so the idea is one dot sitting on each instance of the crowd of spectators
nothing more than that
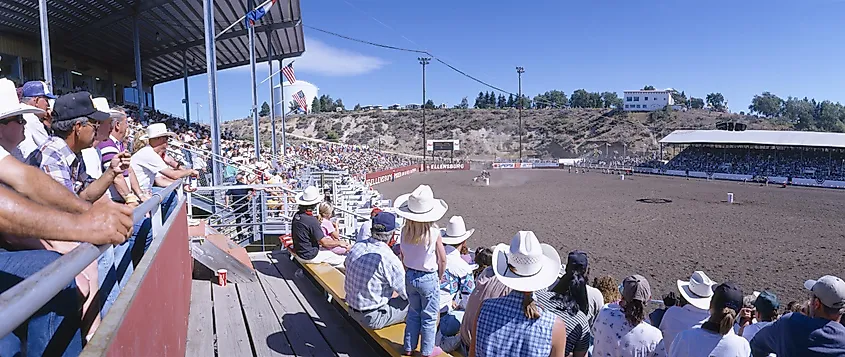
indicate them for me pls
(783, 162)
(69, 176)
(522, 299)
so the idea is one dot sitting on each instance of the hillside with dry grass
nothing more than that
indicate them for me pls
(485, 134)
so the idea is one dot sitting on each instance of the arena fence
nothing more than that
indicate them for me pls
(807, 182)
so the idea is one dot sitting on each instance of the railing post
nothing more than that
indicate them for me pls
(156, 216)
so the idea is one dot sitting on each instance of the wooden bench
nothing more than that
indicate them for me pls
(331, 280)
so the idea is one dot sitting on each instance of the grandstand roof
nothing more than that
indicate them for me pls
(756, 137)
(101, 32)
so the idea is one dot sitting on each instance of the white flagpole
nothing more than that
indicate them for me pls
(240, 20)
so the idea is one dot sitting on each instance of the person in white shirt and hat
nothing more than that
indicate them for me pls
(36, 94)
(696, 294)
(148, 163)
(310, 244)
(514, 325)
(424, 257)
(457, 283)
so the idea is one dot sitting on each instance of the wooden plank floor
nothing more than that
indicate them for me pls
(278, 315)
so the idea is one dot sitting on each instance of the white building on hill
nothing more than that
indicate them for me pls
(311, 91)
(647, 100)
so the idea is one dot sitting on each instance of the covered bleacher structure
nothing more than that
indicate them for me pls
(794, 157)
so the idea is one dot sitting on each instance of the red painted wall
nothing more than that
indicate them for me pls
(447, 166)
(375, 178)
(156, 323)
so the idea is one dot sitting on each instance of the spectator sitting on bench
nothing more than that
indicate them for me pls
(373, 275)
(457, 283)
(310, 245)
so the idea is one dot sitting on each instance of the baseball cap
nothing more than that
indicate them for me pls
(384, 222)
(636, 287)
(766, 301)
(75, 105)
(36, 89)
(829, 289)
(728, 295)
(577, 260)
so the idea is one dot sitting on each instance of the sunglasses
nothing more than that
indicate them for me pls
(15, 119)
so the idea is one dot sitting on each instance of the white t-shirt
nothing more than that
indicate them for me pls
(751, 330)
(93, 162)
(642, 340)
(677, 319)
(421, 256)
(34, 135)
(698, 342)
(147, 164)
(364, 231)
(596, 300)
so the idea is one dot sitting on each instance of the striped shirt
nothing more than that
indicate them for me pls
(503, 329)
(577, 325)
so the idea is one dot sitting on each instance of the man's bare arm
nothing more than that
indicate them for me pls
(34, 184)
(98, 188)
(177, 174)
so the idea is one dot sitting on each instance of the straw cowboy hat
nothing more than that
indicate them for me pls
(698, 290)
(9, 104)
(526, 264)
(102, 105)
(309, 196)
(456, 231)
(420, 205)
(157, 130)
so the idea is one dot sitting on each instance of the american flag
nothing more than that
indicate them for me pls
(299, 97)
(259, 12)
(288, 72)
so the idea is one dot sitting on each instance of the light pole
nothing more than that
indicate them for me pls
(423, 61)
(519, 72)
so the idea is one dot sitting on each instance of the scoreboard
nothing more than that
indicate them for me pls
(442, 145)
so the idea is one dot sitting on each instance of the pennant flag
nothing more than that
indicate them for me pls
(255, 15)
(299, 97)
(288, 72)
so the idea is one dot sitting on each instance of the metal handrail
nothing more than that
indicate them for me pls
(21, 301)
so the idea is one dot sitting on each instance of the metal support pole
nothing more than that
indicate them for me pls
(272, 97)
(185, 84)
(152, 97)
(211, 72)
(138, 83)
(45, 44)
(283, 107)
(424, 61)
(254, 111)
(519, 72)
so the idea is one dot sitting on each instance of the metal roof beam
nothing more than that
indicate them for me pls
(225, 36)
(142, 7)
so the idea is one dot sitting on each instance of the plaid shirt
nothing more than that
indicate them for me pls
(503, 329)
(55, 158)
(373, 273)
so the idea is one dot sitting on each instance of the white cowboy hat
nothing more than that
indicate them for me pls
(9, 103)
(526, 264)
(420, 205)
(456, 231)
(309, 196)
(157, 130)
(698, 290)
(102, 105)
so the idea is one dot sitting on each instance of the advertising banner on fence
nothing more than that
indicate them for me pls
(448, 166)
(375, 178)
(546, 165)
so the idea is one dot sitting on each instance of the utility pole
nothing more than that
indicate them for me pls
(519, 72)
(424, 61)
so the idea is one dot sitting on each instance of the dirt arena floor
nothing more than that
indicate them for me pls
(770, 238)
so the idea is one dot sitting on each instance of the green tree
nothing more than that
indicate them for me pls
(526, 102)
(502, 103)
(767, 104)
(801, 112)
(716, 101)
(339, 104)
(580, 99)
(332, 136)
(265, 110)
(429, 104)
(595, 100)
(480, 101)
(510, 101)
(491, 100)
(464, 103)
(611, 100)
(293, 105)
(357, 107)
(648, 88)
(696, 103)
(316, 106)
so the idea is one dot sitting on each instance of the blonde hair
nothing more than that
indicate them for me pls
(608, 287)
(138, 144)
(325, 211)
(417, 232)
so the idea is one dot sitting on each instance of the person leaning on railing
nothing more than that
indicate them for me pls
(34, 206)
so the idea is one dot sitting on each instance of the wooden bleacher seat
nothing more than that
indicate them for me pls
(331, 280)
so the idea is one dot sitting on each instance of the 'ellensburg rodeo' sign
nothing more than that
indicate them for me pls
(375, 178)
(448, 166)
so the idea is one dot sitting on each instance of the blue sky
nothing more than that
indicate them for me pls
(738, 48)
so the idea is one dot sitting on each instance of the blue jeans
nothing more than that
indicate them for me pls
(54, 329)
(168, 204)
(450, 323)
(189, 162)
(105, 276)
(423, 307)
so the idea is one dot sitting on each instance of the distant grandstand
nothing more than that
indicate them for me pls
(796, 157)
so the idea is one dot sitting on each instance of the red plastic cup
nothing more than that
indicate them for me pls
(221, 277)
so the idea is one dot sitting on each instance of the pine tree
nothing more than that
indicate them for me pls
(502, 102)
(315, 105)
(511, 103)
(479, 101)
